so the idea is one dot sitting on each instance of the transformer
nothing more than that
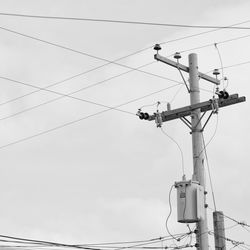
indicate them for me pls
(190, 201)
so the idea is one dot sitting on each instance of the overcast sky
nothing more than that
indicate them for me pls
(107, 177)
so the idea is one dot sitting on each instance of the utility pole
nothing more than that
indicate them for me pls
(197, 144)
(195, 207)
(219, 230)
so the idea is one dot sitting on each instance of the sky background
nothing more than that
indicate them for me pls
(107, 177)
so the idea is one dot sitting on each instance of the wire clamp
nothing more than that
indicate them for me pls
(158, 119)
(215, 105)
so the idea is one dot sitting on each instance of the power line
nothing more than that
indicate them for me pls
(64, 95)
(92, 85)
(179, 147)
(234, 242)
(95, 68)
(122, 21)
(81, 119)
(70, 94)
(212, 44)
(201, 33)
(127, 242)
(40, 243)
(209, 173)
(76, 51)
(238, 222)
(231, 66)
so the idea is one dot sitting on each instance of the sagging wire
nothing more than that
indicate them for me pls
(209, 172)
(212, 137)
(170, 212)
(100, 246)
(150, 105)
(177, 144)
(178, 239)
(177, 92)
(222, 68)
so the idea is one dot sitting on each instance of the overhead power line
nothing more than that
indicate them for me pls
(137, 69)
(63, 95)
(100, 82)
(122, 21)
(71, 49)
(69, 95)
(98, 246)
(87, 54)
(83, 118)
(220, 42)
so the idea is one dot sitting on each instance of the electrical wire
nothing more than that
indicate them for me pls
(234, 242)
(209, 172)
(202, 33)
(149, 105)
(107, 60)
(77, 51)
(238, 222)
(231, 66)
(139, 244)
(170, 212)
(80, 74)
(62, 95)
(177, 144)
(236, 65)
(221, 63)
(212, 44)
(83, 118)
(121, 21)
(210, 140)
(70, 78)
(67, 95)
(176, 94)
(124, 242)
(39, 243)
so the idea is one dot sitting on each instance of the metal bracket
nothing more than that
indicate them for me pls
(183, 77)
(185, 68)
(186, 122)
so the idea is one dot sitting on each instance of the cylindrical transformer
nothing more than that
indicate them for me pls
(190, 201)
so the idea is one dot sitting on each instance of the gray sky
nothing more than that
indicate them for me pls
(107, 178)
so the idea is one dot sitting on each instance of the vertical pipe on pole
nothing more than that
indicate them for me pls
(197, 144)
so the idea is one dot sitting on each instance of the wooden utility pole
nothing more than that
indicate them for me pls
(197, 111)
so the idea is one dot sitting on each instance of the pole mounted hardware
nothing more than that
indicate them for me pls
(203, 106)
(157, 47)
(141, 115)
(185, 68)
(195, 112)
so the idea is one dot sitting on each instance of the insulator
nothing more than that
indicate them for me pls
(168, 106)
(221, 94)
(177, 55)
(226, 95)
(157, 47)
(143, 116)
(146, 116)
(216, 72)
